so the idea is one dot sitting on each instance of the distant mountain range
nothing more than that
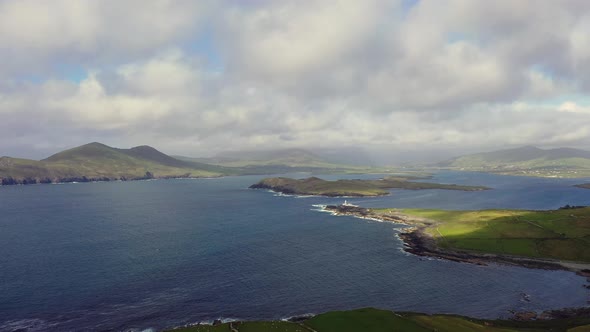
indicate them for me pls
(99, 162)
(282, 157)
(528, 160)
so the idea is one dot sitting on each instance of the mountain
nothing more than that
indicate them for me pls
(273, 161)
(528, 160)
(100, 162)
(285, 157)
(518, 155)
(96, 161)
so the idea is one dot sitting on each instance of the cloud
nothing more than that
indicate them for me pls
(572, 107)
(200, 77)
(36, 36)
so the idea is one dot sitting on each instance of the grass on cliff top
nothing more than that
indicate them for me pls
(375, 320)
(556, 234)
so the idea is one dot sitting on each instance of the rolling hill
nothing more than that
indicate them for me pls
(99, 162)
(528, 160)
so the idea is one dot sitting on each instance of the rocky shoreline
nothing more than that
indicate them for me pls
(418, 242)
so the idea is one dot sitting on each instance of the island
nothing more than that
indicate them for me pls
(315, 186)
(583, 185)
(376, 320)
(552, 239)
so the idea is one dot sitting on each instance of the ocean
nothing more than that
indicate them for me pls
(149, 255)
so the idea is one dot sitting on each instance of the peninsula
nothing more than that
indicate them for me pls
(314, 186)
(99, 162)
(553, 239)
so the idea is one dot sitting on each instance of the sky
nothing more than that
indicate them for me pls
(397, 77)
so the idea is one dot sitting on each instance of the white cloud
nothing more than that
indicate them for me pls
(444, 74)
(572, 107)
(35, 35)
(291, 38)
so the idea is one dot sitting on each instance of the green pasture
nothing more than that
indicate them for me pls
(375, 320)
(556, 234)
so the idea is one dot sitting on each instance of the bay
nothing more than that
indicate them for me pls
(157, 254)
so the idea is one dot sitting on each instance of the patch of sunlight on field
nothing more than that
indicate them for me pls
(559, 234)
(454, 324)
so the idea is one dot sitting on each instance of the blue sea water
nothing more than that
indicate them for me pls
(156, 254)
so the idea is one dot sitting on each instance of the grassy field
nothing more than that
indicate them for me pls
(317, 186)
(558, 234)
(375, 320)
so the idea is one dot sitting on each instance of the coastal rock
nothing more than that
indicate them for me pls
(525, 316)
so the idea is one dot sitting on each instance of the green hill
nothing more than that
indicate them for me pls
(526, 160)
(96, 161)
(99, 162)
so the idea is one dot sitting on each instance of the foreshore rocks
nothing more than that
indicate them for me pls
(567, 313)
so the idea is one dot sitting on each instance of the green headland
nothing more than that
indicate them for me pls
(357, 188)
(554, 239)
(375, 320)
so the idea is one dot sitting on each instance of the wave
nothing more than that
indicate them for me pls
(319, 208)
(224, 320)
(211, 322)
(31, 324)
(298, 317)
(280, 194)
